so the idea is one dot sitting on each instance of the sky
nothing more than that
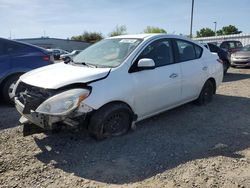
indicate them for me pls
(66, 18)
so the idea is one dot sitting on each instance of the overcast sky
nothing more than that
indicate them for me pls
(65, 18)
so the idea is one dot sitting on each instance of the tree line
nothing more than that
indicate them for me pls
(93, 37)
(226, 30)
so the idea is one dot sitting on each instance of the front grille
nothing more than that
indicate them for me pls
(31, 97)
(241, 57)
(240, 63)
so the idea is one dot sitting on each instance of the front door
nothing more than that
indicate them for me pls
(159, 88)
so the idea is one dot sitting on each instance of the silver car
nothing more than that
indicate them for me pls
(242, 57)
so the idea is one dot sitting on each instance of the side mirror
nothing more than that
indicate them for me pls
(146, 63)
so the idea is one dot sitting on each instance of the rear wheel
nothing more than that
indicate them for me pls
(110, 120)
(8, 87)
(206, 94)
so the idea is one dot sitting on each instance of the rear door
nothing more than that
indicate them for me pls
(24, 57)
(193, 70)
(159, 88)
(4, 60)
(17, 55)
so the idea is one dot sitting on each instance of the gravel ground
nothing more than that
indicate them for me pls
(189, 146)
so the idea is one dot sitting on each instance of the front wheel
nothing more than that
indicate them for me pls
(110, 120)
(206, 94)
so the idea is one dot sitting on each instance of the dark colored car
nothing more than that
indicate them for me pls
(223, 55)
(17, 58)
(69, 56)
(231, 46)
(57, 53)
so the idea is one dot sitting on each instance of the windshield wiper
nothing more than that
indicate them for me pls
(88, 64)
(84, 63)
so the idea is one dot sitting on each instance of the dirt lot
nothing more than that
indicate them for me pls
(190, 146)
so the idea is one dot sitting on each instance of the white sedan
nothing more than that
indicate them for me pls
(117, 82)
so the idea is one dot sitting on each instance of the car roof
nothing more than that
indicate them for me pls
(147, 36)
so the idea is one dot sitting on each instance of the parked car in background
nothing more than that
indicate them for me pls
(242, 57)
(231, 46)
(117, 82)
(69, 56)
(57, 52)
(223, 55)
(17, 58)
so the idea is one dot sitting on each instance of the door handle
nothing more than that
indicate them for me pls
(174, 75)
(204, 68)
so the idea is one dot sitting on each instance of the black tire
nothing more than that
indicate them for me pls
(110, 120)
(7, 89)
(67, 59)
(206, 94)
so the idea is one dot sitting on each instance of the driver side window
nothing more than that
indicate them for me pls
(160, 51)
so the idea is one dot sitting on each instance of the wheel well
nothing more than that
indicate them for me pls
(10, 76)
(214, 83)
(124, 103)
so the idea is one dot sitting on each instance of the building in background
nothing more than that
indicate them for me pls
(65, 44)
(243, 38)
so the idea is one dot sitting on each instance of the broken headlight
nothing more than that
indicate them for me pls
(63, 103)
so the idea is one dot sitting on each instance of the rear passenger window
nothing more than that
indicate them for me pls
(198, 51)
(231, 45)
(238, 44)
(160, 51)
(188, 51)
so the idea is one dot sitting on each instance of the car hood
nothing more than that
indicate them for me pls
(242, 54)
(60, 74)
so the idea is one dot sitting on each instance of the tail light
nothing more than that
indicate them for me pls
(49, 58)
(46, 58)
(220, 61)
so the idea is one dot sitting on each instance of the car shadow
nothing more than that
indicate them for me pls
(8, 116)
(230, 77)
(160, 143)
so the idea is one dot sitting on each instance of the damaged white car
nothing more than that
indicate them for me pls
(116, 82)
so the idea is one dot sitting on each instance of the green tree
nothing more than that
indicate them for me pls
(119, 30)
(228, 30)
(150, 29)
(91, 37)
(205, 32)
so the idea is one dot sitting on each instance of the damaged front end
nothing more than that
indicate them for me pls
(50, 109)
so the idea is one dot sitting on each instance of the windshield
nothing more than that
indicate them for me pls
(246, 48)
(108, 52)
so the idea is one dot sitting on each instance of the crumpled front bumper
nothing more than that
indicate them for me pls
(48, 122)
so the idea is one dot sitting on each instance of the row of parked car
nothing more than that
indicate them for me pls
(113, 83)
(63, 54)
(232, 53)
(17, 58)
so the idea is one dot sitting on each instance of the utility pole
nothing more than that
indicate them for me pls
(10, 35)
(192, 15)
(215, 27)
